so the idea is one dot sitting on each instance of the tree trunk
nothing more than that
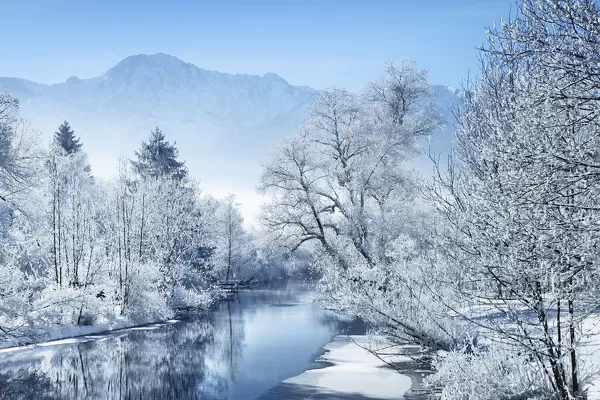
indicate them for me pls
(54, 233)
(574, 374)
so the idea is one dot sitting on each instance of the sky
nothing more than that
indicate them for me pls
(319, 43)
(315, 43)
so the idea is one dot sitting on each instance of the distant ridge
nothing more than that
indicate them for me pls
(225, 125)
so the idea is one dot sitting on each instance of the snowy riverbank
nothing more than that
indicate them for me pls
(50, 334)
(351, 373)
(74, 334)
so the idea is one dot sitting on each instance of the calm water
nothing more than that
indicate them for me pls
(238, 351)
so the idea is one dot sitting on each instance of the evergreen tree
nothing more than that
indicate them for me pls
(158, 157)
(65, 138)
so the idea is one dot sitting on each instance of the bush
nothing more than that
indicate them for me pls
(492, 373)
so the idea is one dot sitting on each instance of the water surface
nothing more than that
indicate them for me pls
(238, 351)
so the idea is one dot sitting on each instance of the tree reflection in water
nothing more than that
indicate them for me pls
(198, 358)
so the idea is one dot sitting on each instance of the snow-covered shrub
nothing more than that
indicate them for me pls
(193, 298)
(15, 292)
(145, 300)
(70, 306)
(403, 297)
(493, 373)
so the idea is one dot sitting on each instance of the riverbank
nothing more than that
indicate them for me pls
(238, 350)
(79, 334)
(352, 372)
(32, 335)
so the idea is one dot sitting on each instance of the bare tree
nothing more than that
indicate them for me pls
(235, 239)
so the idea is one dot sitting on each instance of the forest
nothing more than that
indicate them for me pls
(77, 251)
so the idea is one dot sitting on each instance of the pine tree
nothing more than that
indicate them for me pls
(65, 138)
(158, 157)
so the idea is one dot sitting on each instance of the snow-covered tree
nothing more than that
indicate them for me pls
(163, 237)
(65, 138)
(158, 157)
(234, 241)
(520, 201)
(18, 151)
(339, 184)
(71, 212)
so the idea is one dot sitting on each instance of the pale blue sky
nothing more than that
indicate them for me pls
(316, 43)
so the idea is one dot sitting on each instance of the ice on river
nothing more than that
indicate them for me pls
(353, 373)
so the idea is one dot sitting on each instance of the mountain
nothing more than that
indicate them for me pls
(225, 125)
(143, 84)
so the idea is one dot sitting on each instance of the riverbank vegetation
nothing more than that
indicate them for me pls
(492, 265)
(80, 251)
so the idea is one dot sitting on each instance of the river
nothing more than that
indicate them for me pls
(237, 351)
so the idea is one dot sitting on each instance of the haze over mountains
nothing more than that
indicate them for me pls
(225, 125)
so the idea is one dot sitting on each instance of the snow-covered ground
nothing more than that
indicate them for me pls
(590, 355)
(353, 373)
(74, 334)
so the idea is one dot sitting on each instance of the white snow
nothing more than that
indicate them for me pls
(590, 356)
(355, 370)
(68, 334)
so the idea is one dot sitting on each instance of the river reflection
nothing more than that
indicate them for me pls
(238, 351)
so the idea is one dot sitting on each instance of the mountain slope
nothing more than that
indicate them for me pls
(225, 125)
